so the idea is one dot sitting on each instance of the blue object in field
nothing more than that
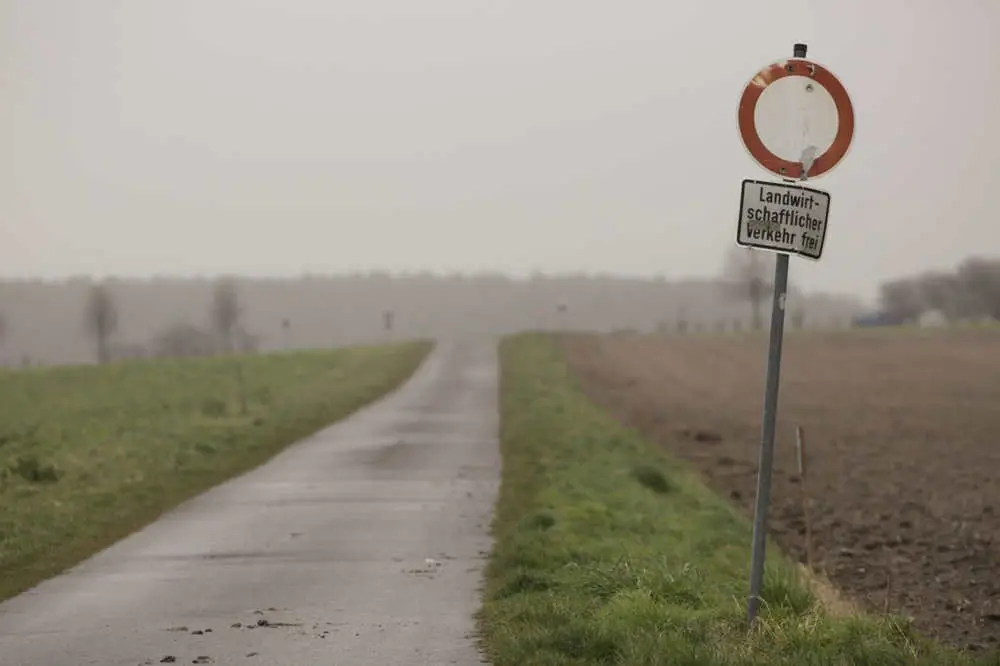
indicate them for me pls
(876, 319)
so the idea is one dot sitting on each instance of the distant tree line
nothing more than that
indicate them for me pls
(970, 291)
(198, 316)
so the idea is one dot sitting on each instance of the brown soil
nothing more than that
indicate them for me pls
(903, 457)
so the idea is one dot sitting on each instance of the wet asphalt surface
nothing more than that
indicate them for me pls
(361, 545)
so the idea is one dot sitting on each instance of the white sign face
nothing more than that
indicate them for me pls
(795, 116)
(783, 218)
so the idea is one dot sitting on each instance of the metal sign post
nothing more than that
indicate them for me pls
(800, 128)
(766, 458)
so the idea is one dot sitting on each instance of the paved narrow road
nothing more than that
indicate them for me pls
(360, 546)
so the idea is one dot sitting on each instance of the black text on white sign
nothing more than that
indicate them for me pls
(783, 218)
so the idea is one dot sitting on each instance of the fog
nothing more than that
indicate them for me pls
(272, 139)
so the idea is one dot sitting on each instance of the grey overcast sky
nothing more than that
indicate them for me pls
(283, 136)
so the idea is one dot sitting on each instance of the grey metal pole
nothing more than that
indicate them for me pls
(765, 462)
(766, 459)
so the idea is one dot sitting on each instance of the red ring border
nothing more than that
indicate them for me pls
(748, 128)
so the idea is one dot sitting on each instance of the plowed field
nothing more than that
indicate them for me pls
(903, 451)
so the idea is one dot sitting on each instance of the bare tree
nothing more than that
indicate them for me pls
(226, 312)
(101, 319)
(562, 316)
(980, 286)
(681, 322)
(902, 299)
(286, 330)
(747, 278)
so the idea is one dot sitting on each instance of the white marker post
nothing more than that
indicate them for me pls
(796, 120)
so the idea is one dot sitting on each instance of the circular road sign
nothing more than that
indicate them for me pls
(796, 119)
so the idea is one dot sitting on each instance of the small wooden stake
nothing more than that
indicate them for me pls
(800, 450)
(888, 588)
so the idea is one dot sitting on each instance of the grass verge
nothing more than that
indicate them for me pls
(609, 552)
(90, 454)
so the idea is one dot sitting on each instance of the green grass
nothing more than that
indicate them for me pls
(90, 454)
(609, 552)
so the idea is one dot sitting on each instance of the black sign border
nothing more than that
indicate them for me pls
(791, 186)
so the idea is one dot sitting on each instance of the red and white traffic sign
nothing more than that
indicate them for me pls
(796, 119)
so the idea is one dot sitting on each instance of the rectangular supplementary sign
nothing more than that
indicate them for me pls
(783, 218)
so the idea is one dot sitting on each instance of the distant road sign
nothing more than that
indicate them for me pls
(796, 119)
(783, 218)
